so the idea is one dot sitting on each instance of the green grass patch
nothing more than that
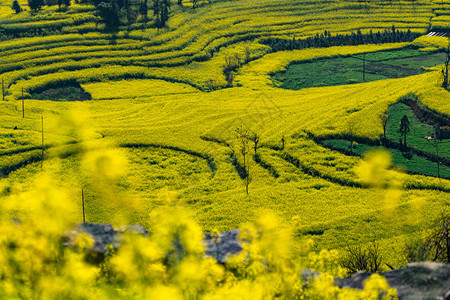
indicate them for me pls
(400, 159)
(349, 70)
(66, 93)
(415, 138)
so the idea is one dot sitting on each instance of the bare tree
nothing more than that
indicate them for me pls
(435, 246)
(445, 68)
(232, 63)
(255, 139)
(439, 240)
(248, 54)
(242, 136)
(357, 258)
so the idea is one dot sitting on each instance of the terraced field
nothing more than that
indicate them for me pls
(161, 125)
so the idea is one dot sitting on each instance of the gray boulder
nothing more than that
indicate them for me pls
(138, 229)
(420, 280)
(102, 234)
(105, 234)
(227, 244)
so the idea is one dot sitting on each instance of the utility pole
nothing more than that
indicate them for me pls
(3, 89)
(23, 108)
(82, 201)
(248, 176)
(242, 136)
(42, 124)
(436, 144)
(364, 67)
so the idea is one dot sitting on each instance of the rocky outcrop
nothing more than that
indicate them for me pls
(420, 280)
(424, 280)
(104, 234)
(224, 245)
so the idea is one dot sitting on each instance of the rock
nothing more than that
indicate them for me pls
(138, 229)
(105, 234)
(420, 280)
(102, 234)
(424, 280)
(308, 275)
(227, 244)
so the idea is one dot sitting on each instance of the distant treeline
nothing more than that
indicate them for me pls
(326, 39)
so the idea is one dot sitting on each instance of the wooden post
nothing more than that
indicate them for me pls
(82, 201)
(248, 176)
(42, 160)
(3, 89)
(364, 67)
(23, 108)
(437, 154)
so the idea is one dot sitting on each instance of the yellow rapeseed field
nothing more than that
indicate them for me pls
(157, 146)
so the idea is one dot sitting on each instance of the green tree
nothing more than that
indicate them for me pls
(143, 10)
(404, 128)
(35, 4)
(109, 12)
(66, 3)
(161, 12)
(384, 117)
(16, 7)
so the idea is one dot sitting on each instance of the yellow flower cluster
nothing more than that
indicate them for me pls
(170, 263)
